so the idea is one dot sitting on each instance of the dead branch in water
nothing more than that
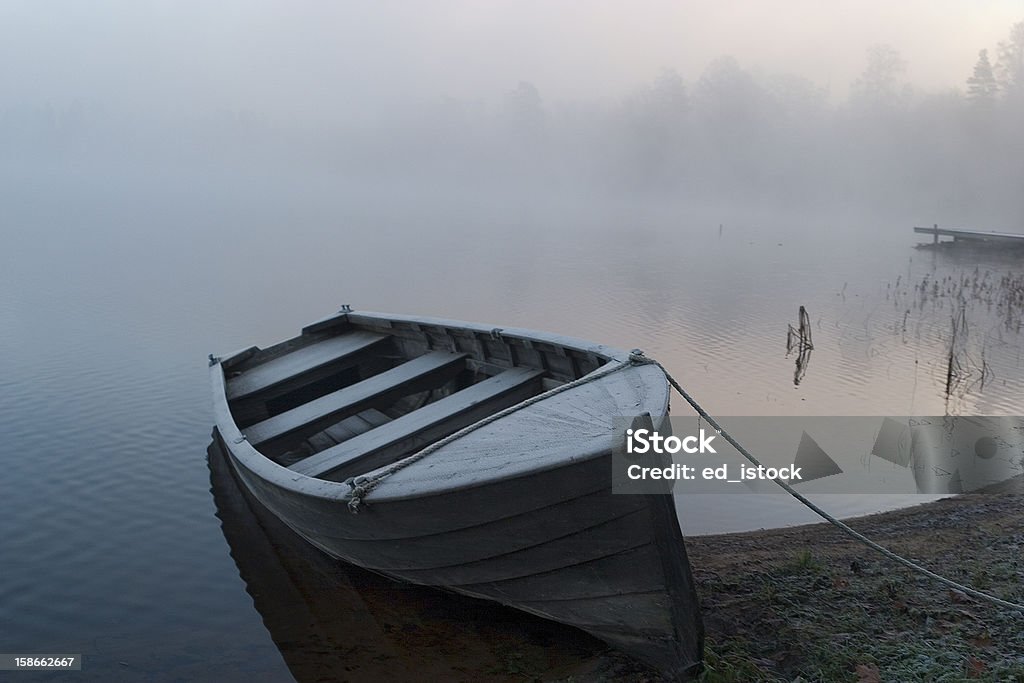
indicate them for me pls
(799, 339)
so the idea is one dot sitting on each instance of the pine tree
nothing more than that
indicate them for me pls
(982, 86)
(1010, 62)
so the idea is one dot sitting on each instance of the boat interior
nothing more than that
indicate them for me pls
(347, 397)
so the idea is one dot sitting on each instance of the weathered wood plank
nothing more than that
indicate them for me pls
(315, 383)
(433, 421)
(406, 377)
(346, 429)
(965, 233)
(356, 425)
(302, 360)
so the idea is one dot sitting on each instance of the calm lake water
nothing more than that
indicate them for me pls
(115, 285)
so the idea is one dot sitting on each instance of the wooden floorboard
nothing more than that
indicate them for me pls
(356, 425)
(443, 413)
(297, 362)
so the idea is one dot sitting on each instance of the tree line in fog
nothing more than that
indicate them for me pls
(732, 133)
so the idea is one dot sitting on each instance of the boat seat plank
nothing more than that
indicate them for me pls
(431, 422)
(299, 361)
(355, 397)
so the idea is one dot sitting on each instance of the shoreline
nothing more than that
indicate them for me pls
(810, 603)
(803, 603)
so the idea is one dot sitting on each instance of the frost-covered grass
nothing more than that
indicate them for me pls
(809, 604)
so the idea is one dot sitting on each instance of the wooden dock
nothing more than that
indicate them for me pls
(964, 234)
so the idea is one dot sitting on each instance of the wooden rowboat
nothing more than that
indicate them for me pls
(519, 510)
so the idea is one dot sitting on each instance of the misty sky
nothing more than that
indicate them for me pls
(313, 60)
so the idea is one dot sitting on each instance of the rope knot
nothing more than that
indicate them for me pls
(359, 491)
(637, 357)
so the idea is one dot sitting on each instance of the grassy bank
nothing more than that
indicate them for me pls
(810, 604)
(813, 604)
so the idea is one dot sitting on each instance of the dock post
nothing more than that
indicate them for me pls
(936, 236)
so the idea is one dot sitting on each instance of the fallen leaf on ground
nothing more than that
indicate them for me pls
(867, 673)
(975, 668)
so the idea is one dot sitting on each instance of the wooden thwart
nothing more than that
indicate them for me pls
(302, 360)
(433, 421)
(407, 377)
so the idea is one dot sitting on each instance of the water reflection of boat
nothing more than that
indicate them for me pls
(519, 511)
(333, 621)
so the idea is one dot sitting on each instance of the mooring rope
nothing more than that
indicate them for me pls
(637, 357)
(363, 485)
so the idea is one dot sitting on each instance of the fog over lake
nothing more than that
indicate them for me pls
(185, 178)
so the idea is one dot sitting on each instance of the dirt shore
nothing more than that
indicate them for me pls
(811, 604)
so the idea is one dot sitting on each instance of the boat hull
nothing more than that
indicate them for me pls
(534, 526)
(612, 565)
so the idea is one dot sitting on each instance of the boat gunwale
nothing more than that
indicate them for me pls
(610, 353)
(248, 456)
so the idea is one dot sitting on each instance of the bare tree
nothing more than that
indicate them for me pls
(882, 80)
